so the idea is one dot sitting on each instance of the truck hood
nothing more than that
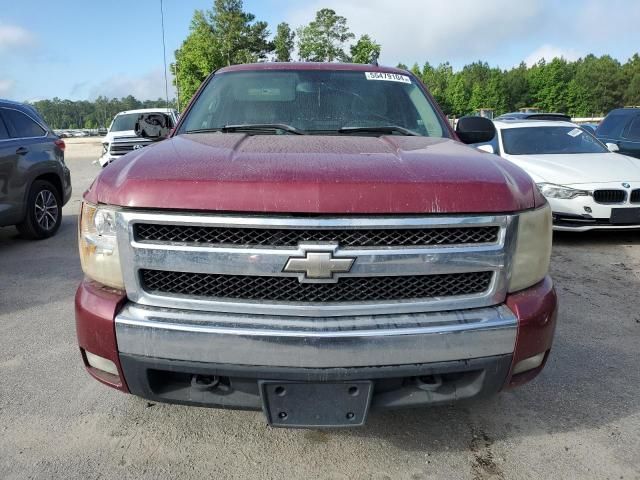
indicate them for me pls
(121, 134)
(582, 168)
(314, 174)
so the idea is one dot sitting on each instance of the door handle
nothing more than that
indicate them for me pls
(22, 151)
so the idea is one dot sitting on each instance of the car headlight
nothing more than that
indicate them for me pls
(533, 249)
(551, 190)
(105, 148)
(99, 246)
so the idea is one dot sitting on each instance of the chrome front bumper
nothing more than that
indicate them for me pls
(310, 342)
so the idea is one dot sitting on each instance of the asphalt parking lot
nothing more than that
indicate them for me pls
(579, 419)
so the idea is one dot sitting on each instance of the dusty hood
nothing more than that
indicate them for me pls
(313, 174)
(580, 168)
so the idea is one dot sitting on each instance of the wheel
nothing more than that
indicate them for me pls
(44, 212)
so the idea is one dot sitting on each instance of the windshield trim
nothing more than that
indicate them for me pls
(447, 130)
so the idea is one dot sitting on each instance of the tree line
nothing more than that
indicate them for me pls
(226, 35)
(84, 114)
(589, 86)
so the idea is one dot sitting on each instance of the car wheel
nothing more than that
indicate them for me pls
(44, 212)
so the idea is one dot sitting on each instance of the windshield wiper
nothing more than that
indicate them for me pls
(380, 129)
(249, 127)
(262, 126)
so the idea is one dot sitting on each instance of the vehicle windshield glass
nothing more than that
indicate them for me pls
(613, 125)
(124, 122)
(549, 141)
(315, 102)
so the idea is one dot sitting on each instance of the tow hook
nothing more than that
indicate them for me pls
(430, 383)
(208, 383)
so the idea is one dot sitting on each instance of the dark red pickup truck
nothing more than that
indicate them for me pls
(315, 241)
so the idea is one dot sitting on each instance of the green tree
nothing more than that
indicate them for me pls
(516, 88)
(324, 38)
(597, 86)
(226, 35)
(458, 96)
(549, 84)
(283, 42)
(437, 81)
(365, 50)
(632, 93)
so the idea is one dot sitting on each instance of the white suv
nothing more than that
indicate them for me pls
(121, 137)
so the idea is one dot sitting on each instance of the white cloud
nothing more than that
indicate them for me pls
(549, 52)
(14, 37)
(6, 86)
(148, 86)
(432, 29)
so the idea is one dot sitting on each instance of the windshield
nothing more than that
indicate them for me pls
(549, 141)
(124, 122)
(315, 102)
(127, 121)
(613, 124)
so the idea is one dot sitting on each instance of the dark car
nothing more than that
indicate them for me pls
(34, 181)
(622, 128)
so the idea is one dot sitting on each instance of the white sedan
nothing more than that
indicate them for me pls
(587, 186)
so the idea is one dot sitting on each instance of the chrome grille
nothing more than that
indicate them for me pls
(124, 147)
(609, 196)
(635, 196)
(291, 238)
(229, 263)
(288, 289)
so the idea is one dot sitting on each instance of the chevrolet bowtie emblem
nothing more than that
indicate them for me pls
(319, 266)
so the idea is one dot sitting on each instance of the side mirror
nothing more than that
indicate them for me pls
(612, 147)
(155, 126)
(475, 130)
(486, 148)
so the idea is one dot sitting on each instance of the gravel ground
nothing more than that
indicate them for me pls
(579, 419)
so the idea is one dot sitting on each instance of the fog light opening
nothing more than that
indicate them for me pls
(102, 364)
(527, 364)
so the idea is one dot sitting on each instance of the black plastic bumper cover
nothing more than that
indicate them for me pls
(238, 386)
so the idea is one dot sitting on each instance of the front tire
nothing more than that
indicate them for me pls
(44, 212)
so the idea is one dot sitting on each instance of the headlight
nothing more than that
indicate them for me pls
(551, 190)
(99, 246)
(105, 148)
(533, 249)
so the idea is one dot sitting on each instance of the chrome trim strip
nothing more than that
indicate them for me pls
(378, 261)
(315, 342)
(297, 222)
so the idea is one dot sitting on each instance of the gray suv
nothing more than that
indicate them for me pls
(34, 181)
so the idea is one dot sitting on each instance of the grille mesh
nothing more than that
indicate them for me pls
(289, 237)
(635, 196)
(289, 289)
(609, 196)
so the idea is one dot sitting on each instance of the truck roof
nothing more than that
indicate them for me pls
(357, 67)
(146, 110)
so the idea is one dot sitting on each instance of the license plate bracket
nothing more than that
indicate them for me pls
(622, 216)
(316, 405)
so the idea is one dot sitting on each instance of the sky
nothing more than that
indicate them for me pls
(79, 50)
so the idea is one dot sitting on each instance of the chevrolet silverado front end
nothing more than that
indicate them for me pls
(310, 264)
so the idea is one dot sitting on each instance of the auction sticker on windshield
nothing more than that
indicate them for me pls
(388, 77)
